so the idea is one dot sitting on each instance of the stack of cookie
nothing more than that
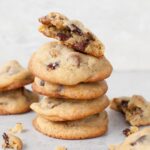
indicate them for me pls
(14, 98)
(70, 73)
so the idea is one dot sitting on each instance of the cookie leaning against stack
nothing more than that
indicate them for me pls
(70, 73)
(14, 98)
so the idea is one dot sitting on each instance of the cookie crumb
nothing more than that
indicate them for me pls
(61, 148)
(17, 129)
(130, 130)
(12, 142)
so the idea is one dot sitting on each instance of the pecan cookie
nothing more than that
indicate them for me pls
(136, 109)
(56, 63)
(137, 141)
(13, 76)
(71, 33)
(62, 109)
(16, 101)
(90, 127)
(82, 91)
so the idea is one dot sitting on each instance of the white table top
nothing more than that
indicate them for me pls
(120, 83)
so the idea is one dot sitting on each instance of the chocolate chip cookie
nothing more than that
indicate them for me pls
(137, 141)
(13, 76)
(90, 127)
(136, 109)
(82, 91)
(58, 64)
(71, 33)
(62, 109)
(16, 101)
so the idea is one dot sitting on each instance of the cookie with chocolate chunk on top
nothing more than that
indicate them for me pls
(56, 63)
(13, 76)
(137, 141)
(71, 33)
(135, 109)
(82, 91)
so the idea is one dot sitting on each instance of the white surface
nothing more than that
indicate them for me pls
(121, 83)
(123, 26)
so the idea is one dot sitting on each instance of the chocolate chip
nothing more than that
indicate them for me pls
(42, 83)
(52, 66)
(126, 132)
(124, 104)
(80, 46)
(139, 140)
(76, 30)
(45, 20)
(6, 139)
(90, 36)
(63, 36)
(60, 88)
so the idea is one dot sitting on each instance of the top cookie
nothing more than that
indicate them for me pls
(137, 141)
(56, 63)
(13, 76)
(71, 33)
(136, 109)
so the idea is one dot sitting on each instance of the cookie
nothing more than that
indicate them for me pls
(82, 91)
(13, 76)
(137, 141)
(58, 64)
(90, 127)
(16, 101)
(136, 109)
(64, 109)
(71, 33)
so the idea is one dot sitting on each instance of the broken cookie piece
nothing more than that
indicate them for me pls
(137, 141)
(71, 33)
(136, 109)
(17, 129)
(12, 142)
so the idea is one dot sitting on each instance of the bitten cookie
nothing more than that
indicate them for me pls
(56, 63)
(64, 109)
(137, 141)
(16, 101)
(82, 91)
(71, 33)
(90, 127)
(13, 76)
(136, 109)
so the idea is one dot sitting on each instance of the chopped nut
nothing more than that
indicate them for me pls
(61, 148)
(12, 142)
(130, 131)
(17, 129)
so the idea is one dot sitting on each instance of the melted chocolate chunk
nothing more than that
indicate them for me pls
(126, 132)
(124, 104)
(80, 46)
(76, 30)
(6, 139)
(139, 140)
(63, 36)
(42, 83)
(52, 66)
(90, 36)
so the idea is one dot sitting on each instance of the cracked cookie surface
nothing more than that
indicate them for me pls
(16, 101)
(62, 109)
(82, 91)
(136, 109)
(137, 141)
(90, 127)
(71, 33)
(55, 63)
(13, 76)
